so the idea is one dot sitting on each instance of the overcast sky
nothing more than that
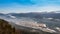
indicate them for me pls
(23, 6)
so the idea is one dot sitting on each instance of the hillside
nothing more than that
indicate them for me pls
(6, 28)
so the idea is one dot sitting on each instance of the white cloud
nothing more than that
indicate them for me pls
(30, 9)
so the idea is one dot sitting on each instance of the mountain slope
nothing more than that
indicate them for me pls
(6, 28)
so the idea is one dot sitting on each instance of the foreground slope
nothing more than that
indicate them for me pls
(6, 28)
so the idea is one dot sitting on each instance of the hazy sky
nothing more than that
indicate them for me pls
(20, 6)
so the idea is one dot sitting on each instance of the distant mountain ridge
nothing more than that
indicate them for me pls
(32, 15)
(37, 15)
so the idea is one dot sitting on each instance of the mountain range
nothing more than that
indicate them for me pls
(51, 19)
(32, 15)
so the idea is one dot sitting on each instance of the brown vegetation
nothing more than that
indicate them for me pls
(6, 28)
